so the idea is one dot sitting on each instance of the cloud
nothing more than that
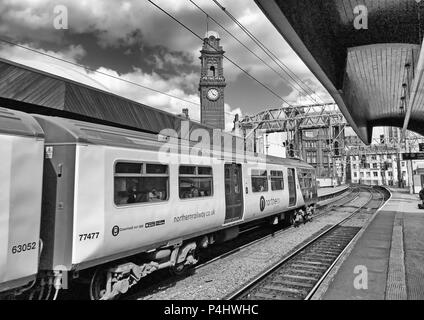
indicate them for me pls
(136, 40)
(146, 25)
(309, 91)
(101, 81)
(53, 66)
(229, 116)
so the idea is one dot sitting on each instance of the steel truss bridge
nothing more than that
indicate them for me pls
(291, 118)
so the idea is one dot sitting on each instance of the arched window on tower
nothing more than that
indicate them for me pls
(212, 71)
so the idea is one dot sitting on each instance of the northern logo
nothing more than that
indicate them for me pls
(115, 231)
(262, 203)
(267, 203)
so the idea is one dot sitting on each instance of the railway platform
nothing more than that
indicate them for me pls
(385, 261)
(327, 191)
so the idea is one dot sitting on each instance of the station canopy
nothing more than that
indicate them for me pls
(372, 67)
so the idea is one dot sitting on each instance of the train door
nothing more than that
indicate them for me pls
(292, 187)
(233, 193)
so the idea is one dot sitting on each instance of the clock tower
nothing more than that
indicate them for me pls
(212, 82)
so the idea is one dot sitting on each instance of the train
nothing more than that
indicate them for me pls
(89, 203)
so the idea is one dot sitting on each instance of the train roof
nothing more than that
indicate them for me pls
(18, 123)
(61, 130)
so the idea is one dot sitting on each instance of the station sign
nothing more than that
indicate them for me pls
(413, 156)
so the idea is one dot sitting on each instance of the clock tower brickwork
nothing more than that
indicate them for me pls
(212, 82)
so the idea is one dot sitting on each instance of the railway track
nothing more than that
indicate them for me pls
(228, 249)
(249, 237)
(299, 275)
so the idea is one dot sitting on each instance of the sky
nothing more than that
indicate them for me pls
(135, 41)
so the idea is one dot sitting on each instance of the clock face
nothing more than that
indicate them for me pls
(213, 94)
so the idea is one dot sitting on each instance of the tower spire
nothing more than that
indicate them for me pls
(212, 81)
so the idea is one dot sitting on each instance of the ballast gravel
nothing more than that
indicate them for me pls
(222, 277)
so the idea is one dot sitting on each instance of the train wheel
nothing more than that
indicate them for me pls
(179, 269)
(98, 284)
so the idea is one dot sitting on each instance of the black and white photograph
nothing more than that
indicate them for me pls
(211, 159)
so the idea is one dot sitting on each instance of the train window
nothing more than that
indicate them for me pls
(139, 182)
(188, 170)
(127, 167)
(156, 169)
(195, 182)
(259, 181)
(305, 179)
(205, 171)
(277, 181)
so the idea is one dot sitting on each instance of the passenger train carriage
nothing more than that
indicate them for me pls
(120, 204)
(21, 174)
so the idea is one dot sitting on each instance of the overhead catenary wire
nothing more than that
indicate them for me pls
(269, 53)
(251, 51)
(272, 55)
(225, 56)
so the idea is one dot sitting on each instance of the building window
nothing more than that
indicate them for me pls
(362, 174)
(375, 174)
(390, 174)
(374, 165)
(355, 174)
(354, 166)
(212, 71)
(309, 134)
(325, 157)
(368, 174)
(195, 182)
(277, 180)
(259, 181)
(311, 157)
(140, 182)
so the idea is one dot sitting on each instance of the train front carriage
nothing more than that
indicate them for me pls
(21, 165)
(108, 196)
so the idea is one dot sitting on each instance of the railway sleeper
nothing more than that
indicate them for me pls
(281, 289)
(303, 271)
(295, 284)
(298, 277)
(319, 258)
